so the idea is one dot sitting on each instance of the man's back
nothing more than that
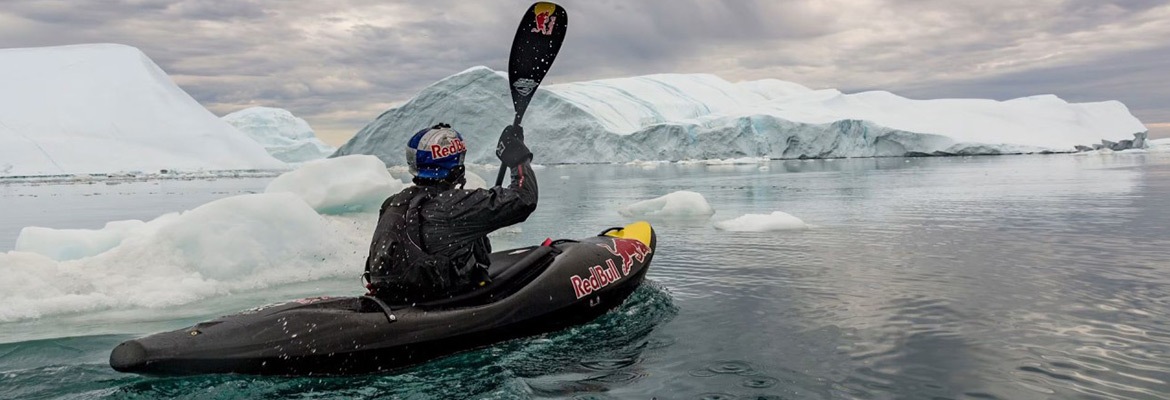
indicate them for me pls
(431, 240)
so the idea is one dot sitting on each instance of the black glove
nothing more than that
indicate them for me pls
(511, 149)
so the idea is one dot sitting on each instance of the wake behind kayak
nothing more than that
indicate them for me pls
(533, 290)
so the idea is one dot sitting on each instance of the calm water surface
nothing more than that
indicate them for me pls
(1024, 277)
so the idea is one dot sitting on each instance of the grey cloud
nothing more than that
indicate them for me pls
(1136, 78)
(338, 63)
(218, 10)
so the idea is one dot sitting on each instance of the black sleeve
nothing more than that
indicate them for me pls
(481, 211)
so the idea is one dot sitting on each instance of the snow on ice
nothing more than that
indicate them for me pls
(697, 116)
(677, 205)
(776, 221)
(286, 137)
(105, 108)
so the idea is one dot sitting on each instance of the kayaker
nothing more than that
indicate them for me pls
(431, 239)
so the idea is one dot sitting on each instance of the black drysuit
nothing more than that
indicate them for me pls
(431, 240)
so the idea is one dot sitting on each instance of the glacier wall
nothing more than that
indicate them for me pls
(699, 116)
(103, 108)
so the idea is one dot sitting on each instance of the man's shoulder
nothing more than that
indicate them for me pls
(403, 197)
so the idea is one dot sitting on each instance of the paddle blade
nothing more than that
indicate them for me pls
(537, 42)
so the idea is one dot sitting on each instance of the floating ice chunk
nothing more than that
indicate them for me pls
(647, 165)
(680, 204)
(339, 185)
(225, 246)
(737, 161)
(776, 221)
(71, 244)
(1159, 145)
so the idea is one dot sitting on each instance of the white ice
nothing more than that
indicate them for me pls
(71, 244)
(104, 108)
(698, 116)
(339, 185)
(303, 228)
(226, 246)
(680, 204)
(776, 221)
(285, 136)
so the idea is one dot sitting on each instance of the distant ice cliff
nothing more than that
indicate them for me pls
(699, 116)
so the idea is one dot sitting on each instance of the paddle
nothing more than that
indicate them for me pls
(537, 42)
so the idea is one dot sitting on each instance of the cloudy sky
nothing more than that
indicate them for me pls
(340, 63)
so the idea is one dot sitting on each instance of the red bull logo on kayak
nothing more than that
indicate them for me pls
(598, 278)
(545, 20)
(627, 250)
(455, 147)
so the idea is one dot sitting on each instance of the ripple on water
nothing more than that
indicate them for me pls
(701, 373)
(730, 367)
(761, 382)
(593, 396)
(656, 343)
(609, 364)
(622, 377)
(716, 396)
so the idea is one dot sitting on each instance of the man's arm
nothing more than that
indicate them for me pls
(481, 211)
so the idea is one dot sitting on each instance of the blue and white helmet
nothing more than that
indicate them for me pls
(434, 152)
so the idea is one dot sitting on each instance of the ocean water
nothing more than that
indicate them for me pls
(1015, 277)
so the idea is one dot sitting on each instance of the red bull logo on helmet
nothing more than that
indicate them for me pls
(627, 250)
(545, 20)
(456, 147)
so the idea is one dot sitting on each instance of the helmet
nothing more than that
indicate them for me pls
(434, 152)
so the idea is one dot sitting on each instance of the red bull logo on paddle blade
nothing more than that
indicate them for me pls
(545, 20)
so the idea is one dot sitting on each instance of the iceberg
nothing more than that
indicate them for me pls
(286, 137)
(104, 108)
(682, 204)
(700, 116)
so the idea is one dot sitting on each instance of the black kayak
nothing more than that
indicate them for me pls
(533, 290)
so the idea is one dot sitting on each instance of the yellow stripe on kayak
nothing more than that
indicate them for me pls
(640, 231)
